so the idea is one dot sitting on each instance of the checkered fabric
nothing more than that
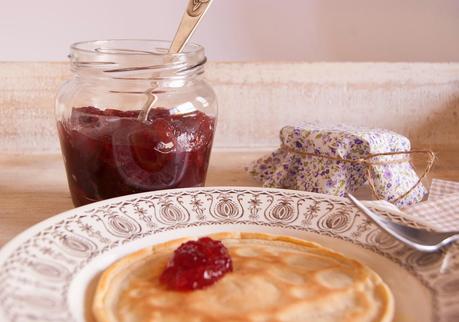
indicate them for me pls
(440, 188)
(441, 210)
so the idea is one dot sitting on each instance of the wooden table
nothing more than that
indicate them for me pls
(34, 187)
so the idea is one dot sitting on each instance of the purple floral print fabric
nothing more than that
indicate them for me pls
(288, 168)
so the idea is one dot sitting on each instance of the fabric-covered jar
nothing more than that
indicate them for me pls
(134, 118)
(339, 159)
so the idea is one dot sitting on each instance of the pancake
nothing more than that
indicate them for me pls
(274, 278)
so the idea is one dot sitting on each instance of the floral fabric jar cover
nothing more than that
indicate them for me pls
(307, 160)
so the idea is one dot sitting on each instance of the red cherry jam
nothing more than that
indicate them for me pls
(196, 265)
(110, 153)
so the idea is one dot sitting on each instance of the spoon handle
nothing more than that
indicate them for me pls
(195, 11)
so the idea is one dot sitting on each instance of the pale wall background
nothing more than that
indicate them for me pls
(269, 30)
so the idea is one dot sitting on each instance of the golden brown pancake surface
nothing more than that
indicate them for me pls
(274, 278)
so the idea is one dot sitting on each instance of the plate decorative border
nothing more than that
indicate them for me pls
(48, 256)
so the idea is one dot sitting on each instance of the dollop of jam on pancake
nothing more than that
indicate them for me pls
(196, 265)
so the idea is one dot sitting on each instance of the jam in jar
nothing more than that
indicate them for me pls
(134, 119)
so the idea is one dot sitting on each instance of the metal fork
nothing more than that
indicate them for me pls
(419, 239)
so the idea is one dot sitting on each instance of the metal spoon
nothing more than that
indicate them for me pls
(419, 239)
(195, 11)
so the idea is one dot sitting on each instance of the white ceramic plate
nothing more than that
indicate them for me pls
(48, 272)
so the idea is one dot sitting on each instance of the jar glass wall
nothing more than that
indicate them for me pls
(134, 118)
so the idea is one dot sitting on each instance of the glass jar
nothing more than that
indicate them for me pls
(134, 118)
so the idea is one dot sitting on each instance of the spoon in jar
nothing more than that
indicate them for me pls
(195, 10)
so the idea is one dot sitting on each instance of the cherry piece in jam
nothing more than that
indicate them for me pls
(110, 153)
(196, 265)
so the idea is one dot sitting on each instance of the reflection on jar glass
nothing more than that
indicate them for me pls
(134, 118)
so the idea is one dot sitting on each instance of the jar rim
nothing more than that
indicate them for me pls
(91, 46)
(136, 59)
